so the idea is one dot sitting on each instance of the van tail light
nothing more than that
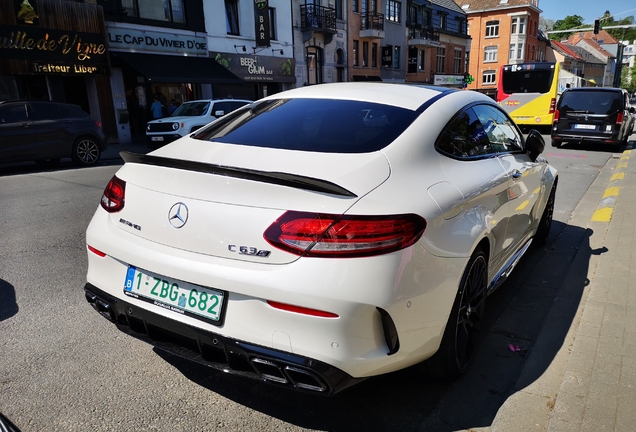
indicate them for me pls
(619, 118)
(343, 236)
(552, 105)
(114, 195)
(557, 114)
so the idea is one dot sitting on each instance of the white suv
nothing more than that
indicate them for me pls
(189, 117)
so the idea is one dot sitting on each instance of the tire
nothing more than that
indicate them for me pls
(541, 236)
(556, 144)
(86, 151)
(463, 330)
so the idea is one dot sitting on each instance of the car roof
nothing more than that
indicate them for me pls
(403, 95)
(219, 100)
(595, 89)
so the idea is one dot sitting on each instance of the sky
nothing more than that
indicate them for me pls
(588, 9)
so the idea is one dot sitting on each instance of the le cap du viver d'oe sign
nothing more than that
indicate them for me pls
(54, 51)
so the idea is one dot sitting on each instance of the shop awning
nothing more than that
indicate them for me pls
(176, 69)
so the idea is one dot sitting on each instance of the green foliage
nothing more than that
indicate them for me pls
(225, 62)
(569, 22)
(620, 33)
(628, 79)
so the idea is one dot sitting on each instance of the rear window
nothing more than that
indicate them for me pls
(527, 81)
(315, 125)
(592, 102)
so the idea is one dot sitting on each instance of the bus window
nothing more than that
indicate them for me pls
(527, 81)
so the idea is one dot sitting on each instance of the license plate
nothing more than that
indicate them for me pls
(156, 138)
(584, 126)
(177, 296)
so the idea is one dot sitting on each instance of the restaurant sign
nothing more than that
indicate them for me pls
(126, 39)
(55, 51)
(258, 68)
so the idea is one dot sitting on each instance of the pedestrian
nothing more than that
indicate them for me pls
(156, 108)
(173, 107)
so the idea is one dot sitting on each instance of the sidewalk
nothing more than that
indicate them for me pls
(590, 385)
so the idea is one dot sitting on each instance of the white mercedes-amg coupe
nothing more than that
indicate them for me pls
(323, 235)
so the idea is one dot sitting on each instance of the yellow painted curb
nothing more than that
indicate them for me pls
(618, 176)
(603, 214)
(611, 191)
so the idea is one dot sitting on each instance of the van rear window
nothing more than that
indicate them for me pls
(592, 102)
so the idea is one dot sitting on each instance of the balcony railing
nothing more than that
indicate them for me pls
(372, 21)
(318, 18)
(423, 33)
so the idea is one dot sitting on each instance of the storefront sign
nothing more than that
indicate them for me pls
(125, 39)
(258, 68)
(51, 51)
(387, 55)
(449, 80)
(49, 44)
(261, 21)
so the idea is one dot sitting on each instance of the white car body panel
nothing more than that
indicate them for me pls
(494, 201)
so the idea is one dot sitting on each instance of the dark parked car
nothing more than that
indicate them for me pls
(594, 114)
(45, 132)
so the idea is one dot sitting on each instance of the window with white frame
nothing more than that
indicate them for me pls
(488, 77)
(457, 61)
(441, 54)
(516, 51)
(490, 54)
(492, 29)
(518, 25)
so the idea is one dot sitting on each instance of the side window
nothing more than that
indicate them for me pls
(503, 134)
(13, 114)
(464, 137)
(221, 106)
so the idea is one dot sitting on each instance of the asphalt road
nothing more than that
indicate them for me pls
(64, 367)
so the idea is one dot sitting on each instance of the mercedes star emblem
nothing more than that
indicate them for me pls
(178, 215)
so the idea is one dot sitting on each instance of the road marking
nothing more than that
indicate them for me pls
(605, 208)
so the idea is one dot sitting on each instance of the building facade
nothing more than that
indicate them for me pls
(503, 32)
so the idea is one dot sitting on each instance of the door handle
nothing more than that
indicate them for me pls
(516, 174)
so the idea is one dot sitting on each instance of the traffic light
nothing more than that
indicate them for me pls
(597, 26)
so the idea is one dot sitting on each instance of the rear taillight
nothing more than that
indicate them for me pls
(99, 125)
(114, 195)
(552, 105)
(619, 118)
(557, 113)
(338, 236)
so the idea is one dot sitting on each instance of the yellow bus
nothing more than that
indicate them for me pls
(528, 92)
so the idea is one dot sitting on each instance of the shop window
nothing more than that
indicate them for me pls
(314, 65)
(422, 61)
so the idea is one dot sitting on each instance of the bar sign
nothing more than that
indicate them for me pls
(261, 20)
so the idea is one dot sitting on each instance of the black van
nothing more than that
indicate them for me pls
(593, 114)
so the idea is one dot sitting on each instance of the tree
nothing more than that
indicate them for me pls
(628, 79)
(546, 24)
(569, 22)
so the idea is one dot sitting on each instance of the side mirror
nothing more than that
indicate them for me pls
(219, 113)
(632, 110)
(534, 144)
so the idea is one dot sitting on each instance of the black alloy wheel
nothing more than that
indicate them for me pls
(86, 151)
(543, 230)
(463, 330)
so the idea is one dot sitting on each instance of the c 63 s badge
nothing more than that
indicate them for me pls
(247, 250)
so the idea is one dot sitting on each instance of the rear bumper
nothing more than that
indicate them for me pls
(220, 352)
(605, 139)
